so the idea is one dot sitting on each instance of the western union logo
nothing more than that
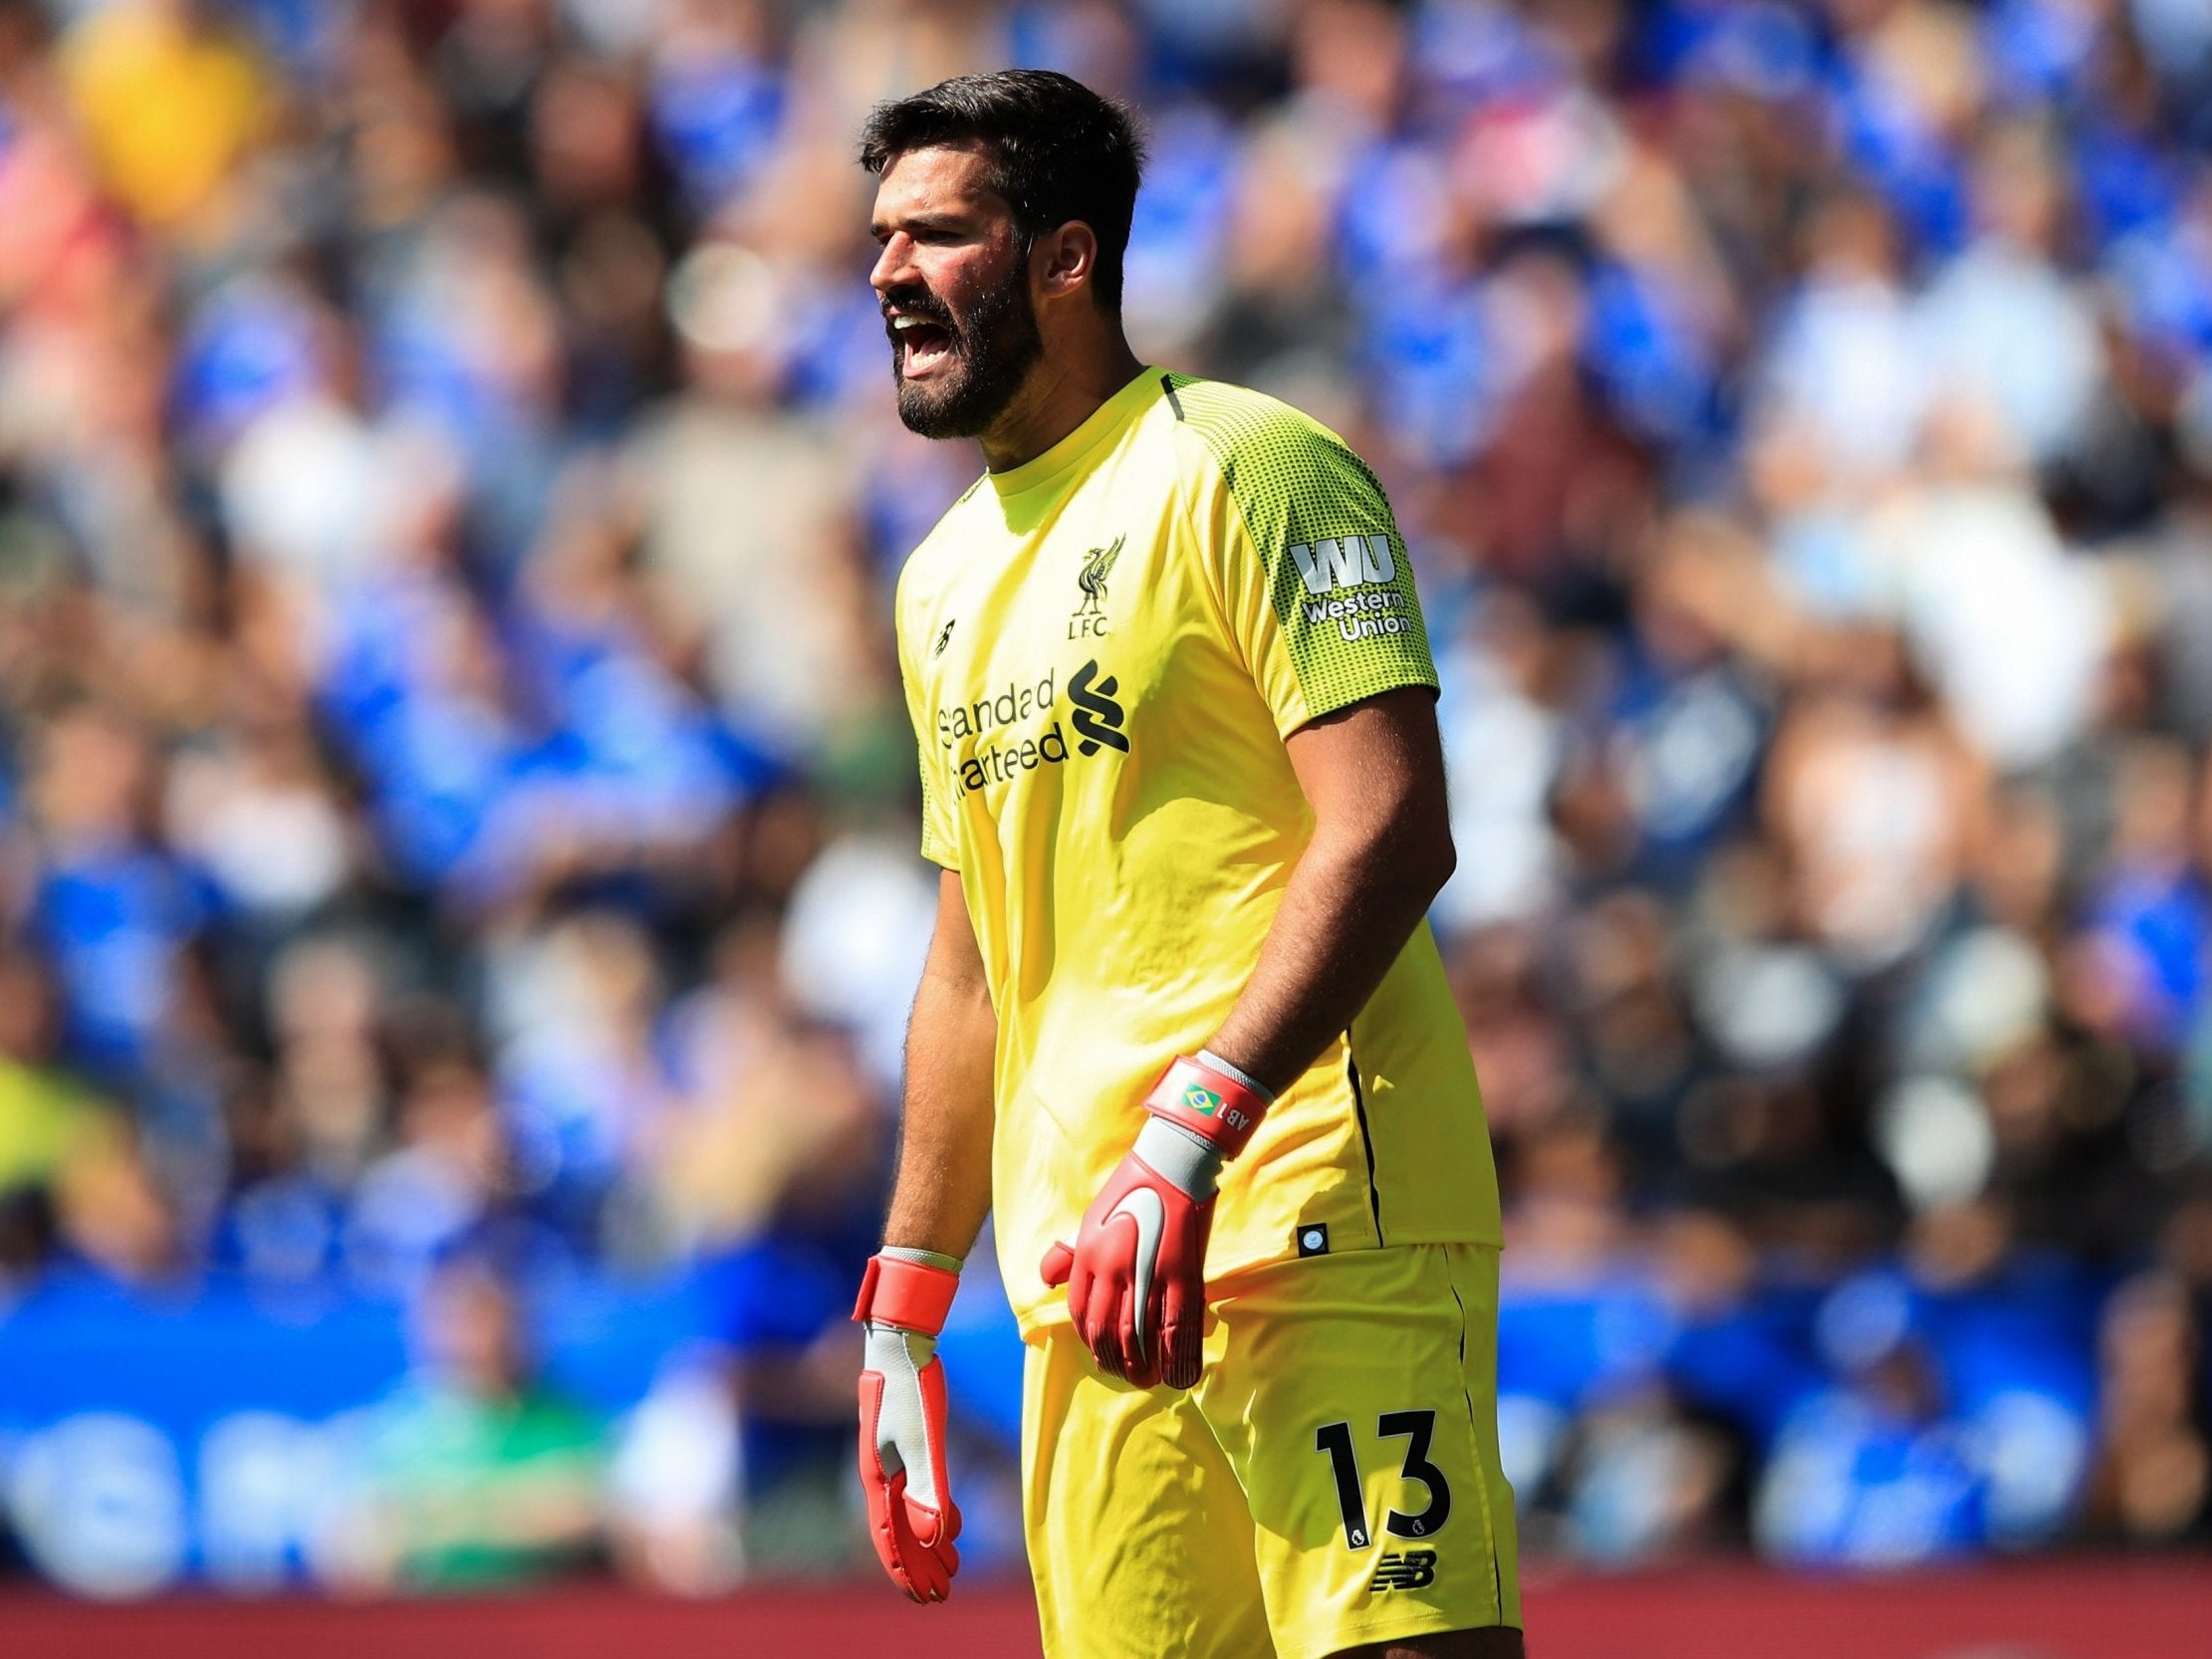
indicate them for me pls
(1204, 1101)
(1346, 562)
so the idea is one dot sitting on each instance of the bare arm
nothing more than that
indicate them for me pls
(942, 1190)
(1374, 774)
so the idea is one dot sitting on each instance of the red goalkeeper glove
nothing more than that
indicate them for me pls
(1137, 1272)
(912, 1518)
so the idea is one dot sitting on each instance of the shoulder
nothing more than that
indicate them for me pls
(937, 557)
(1286, 477)
(1255, 442)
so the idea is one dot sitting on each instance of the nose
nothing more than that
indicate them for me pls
(894, 265)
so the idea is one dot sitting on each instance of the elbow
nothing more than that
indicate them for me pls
(1402, 856)
(1434, 864)
(1420, 859)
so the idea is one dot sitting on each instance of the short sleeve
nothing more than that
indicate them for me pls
(1306, 557)
(939, 842)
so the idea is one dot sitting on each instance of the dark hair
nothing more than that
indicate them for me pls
(1058, 151)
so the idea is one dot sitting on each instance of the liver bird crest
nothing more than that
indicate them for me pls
(1091, 579)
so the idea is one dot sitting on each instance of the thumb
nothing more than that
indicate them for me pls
(1059, 1262)
(934, 1529)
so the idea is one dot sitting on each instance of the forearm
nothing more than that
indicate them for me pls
(1352, 903)
(940, 1195)
(942, 1189)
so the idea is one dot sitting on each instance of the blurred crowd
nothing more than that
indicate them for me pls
(458, 814)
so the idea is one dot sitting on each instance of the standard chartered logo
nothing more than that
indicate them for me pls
(985, 742)
(1098, 717)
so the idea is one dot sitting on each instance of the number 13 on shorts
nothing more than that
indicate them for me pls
(1418, 1428)
(1388, 1506)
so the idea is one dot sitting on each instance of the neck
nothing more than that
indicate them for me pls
(1061, 393)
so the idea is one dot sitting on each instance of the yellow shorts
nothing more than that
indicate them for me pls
(1332, 1480)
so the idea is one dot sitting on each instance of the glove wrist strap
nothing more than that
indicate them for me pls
(1221, 1110)
(1188, 1162)
(927, 1258)
(913, 1295)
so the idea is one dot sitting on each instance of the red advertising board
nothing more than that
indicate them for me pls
(2072, 1609)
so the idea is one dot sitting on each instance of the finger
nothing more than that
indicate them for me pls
(1099, 1323)
(893, 1533)
(882, 1534)
(1182, 1334)
(938, 1535)
(1141, 1335)
(948, 1563)
(874, 1477)
(919, 1574)
(1137, 1362)
(927, 1551)
(1059, 1262)
(1083, 1291)
(1144, 1324)
(1182, 1354)
(918, 1570)
(1141, 1366)
(1105, 1350)
(931, 1491)
(1115, 1310)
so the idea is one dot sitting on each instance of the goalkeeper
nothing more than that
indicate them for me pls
(1182, 1023)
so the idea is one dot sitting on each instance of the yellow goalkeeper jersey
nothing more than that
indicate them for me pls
(1102, 651)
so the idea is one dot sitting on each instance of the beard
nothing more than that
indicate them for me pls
(991, 350)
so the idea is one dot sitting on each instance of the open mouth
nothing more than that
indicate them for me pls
(923, 346)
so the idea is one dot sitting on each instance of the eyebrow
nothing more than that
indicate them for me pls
(882, 228)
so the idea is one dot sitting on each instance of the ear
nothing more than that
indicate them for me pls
(1065, 259)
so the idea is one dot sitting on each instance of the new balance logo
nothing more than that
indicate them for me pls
(1346, 562)
(1098, 717)
(1413, 1570)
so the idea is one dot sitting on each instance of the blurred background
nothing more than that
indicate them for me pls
(458, 898)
